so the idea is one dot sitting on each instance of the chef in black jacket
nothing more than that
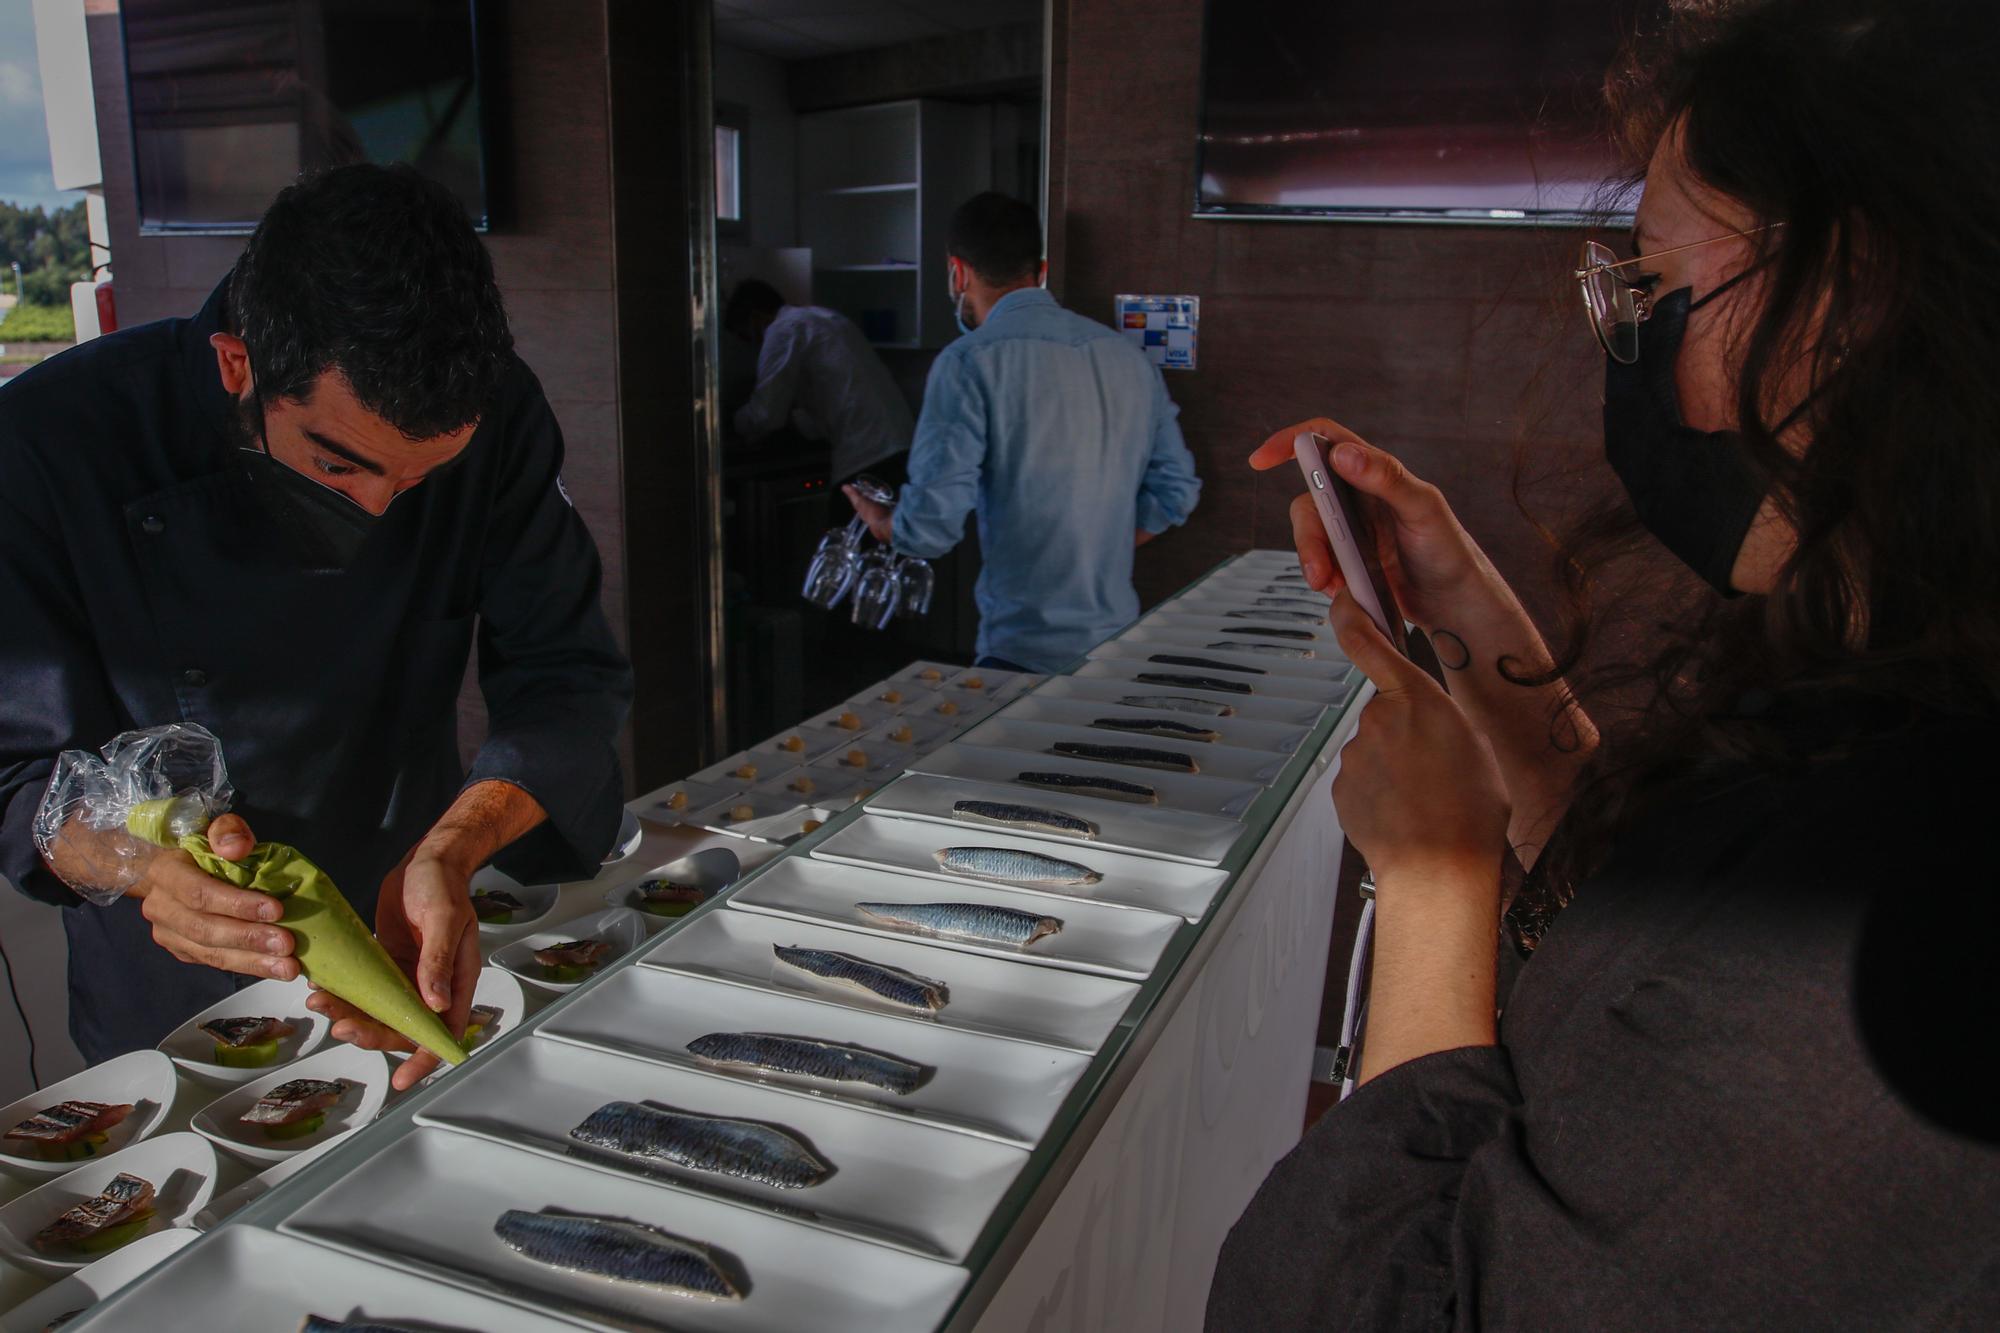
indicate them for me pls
(288, 519)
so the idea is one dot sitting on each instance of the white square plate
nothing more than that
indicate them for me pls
(428, 1202)
(691, 796)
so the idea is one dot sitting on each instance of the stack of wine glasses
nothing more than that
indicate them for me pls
(882, 583)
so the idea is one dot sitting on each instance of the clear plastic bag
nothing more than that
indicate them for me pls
(177, 769)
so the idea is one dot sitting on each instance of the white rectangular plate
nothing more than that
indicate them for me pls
(1237, 732)
(242, 1278)
(800, 745)
(882, 761)
(427, 1203)
(1142, 642)
(906, 845)
(1211, 759)
(1127, 662)
(1177, 791)
(1145, 830)
(1002, 999)
(1255, 583)
(1219, 603)
(927, 1190)
(1109, 940)
(1095, 690)
(924, 675)
(1212, 626)
(660, 804)
(1007, 1090)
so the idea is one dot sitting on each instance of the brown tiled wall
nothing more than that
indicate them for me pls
(1446, 344)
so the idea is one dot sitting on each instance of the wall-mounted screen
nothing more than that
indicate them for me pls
(232, 99)
(1420, 110)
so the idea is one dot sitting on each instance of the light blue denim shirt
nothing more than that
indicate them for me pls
(1059, 434)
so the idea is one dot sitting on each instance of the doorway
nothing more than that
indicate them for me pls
(843, 141)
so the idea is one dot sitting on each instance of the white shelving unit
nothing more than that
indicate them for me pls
(877, 185)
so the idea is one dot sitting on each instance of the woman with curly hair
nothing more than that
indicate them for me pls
(1707, 1067)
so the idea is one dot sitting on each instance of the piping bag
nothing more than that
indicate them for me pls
(336, 950)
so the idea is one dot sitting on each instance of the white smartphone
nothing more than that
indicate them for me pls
(1347, 527)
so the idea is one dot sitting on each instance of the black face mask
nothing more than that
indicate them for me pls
(1694, 490)
(327, 529)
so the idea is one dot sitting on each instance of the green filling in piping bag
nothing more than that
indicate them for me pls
(336, 951)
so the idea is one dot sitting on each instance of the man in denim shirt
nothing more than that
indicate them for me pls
(1057, 432)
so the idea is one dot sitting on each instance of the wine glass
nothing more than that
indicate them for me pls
(917, 580)
(833, 569)
(877, 590)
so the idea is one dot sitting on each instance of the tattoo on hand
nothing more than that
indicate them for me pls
(1564, 735)
(1452, 654)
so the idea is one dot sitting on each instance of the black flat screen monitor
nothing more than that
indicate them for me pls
(1418, 110)
(232, 99)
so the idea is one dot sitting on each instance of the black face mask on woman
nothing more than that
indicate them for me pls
(1694, 490)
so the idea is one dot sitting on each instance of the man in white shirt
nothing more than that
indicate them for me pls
(817, 373)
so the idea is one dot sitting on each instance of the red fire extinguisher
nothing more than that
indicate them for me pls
(107, 309)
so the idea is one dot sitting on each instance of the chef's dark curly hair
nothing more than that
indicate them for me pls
(1867, 128)
(373, 272)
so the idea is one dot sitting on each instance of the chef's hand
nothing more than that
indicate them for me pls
(1419, 794)
(424, 919)
(200, 919)
(878, 516)
(1431, 562)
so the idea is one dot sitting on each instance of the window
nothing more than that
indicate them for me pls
(731, 212)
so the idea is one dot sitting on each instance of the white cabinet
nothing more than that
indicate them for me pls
(877, 186)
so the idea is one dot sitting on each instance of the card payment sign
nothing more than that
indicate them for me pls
(1163, 327)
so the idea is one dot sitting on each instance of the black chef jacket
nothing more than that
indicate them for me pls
(1686, 1124)
(142, 582)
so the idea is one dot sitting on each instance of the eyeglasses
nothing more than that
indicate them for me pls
(1616, 307)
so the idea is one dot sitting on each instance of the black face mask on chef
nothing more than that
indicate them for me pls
(1694, 490)
(327, 528)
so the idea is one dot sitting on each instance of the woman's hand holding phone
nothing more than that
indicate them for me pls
(1442, 581)
(1428, 558)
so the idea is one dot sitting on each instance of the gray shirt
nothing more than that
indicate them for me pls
(817, 372)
